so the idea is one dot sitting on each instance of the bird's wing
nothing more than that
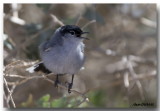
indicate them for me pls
(45, 46)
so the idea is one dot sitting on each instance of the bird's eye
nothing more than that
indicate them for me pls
(78, 35)
(72, 32)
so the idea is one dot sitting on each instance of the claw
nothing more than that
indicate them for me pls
(70, 87)
(56, 83)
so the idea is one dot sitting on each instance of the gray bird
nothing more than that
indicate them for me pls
(62, 54)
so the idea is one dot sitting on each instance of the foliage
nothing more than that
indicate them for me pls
(96, 99)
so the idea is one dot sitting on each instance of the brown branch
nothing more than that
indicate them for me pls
(85, 99)
(134, 75)
(45, 77)
(87, 24)
(121, 81)
(18, 64)
(5, 100)
(10, 94)
(56, 20)
(78, 20)
(63, 87)
(16, 76)
(126, 80)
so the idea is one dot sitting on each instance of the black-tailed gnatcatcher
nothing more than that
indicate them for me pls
(62, 54)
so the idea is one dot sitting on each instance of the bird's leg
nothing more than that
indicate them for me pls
(70, 84)
(56, 81)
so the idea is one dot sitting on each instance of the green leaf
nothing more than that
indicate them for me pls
(72, 103)
(44, 101)
(98, 98)
(46, 105)
(59, 103)
(45, 98)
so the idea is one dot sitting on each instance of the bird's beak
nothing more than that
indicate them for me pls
(85, 37)
(84, 32)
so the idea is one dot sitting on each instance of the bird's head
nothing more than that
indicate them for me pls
(71, 32)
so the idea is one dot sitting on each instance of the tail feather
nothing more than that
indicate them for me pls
(38, 67)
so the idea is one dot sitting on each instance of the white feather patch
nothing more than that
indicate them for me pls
(31, 69)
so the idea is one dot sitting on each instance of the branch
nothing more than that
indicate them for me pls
(45, 77)
(63, 87)
(10, 94)
(90, 22)
(78, 20)
(56, 20)
(134, 75)
(6, 104)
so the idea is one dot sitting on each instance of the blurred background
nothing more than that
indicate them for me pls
(121, 55)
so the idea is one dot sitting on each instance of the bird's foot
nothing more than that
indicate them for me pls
(56, 83)
(70, 87)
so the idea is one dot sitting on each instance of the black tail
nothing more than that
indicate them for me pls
(38, 67)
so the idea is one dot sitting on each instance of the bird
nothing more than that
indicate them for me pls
(62, 54)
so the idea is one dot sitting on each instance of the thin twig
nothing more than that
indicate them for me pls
(5, 100)
(16, 76)
(131, 79)
(10, 94)
(56, 20)
(126, 80)
(45, 77)
(85, 99)
(78, 20)
(63, 87)
(18, 64)
(90, 22)
(134, 75)
(11, 98)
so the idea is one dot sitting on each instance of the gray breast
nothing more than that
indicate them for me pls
(62, 59)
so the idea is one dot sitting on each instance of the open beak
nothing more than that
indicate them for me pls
(84, 37)
(84, 32)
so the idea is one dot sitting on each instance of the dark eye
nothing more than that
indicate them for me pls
(78, 35)
(72, 32)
